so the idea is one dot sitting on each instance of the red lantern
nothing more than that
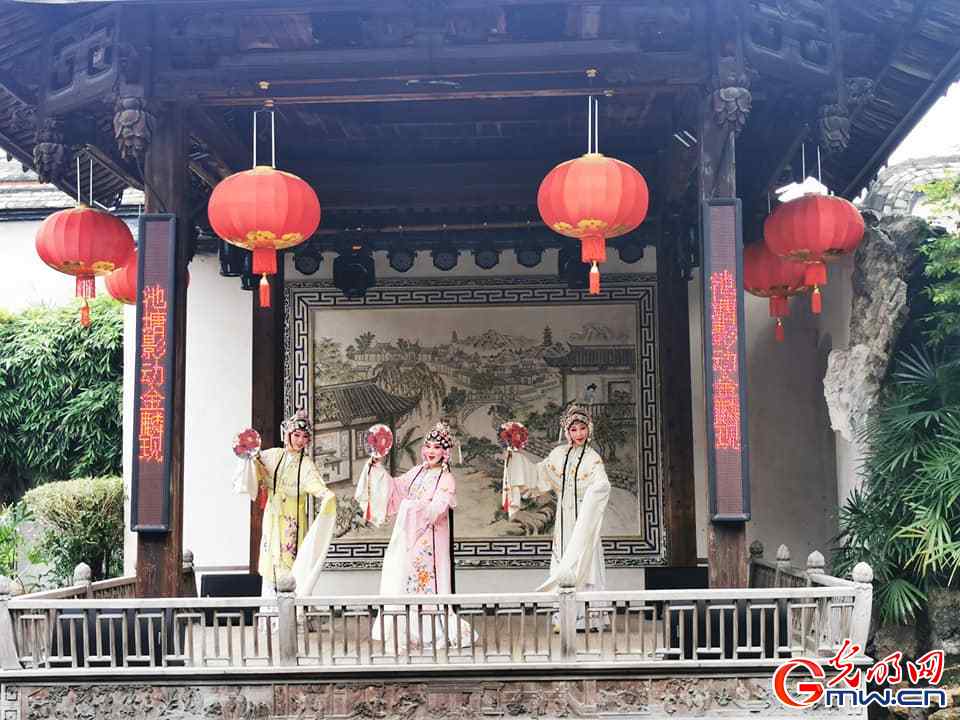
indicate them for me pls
(593, 198)
(767, 275)
(814, 230)
(122, 283)
(84, 242)
(264, 210)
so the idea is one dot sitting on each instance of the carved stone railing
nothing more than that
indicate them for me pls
(720, 630)
(782, 574)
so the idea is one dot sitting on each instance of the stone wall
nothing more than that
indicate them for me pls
(679, 698)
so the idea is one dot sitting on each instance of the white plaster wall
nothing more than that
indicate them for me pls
(793, 451)
(218, 397)
(27, 280)
(835, 335)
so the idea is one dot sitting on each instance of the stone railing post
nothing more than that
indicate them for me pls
(567, 596)
(286, 621)
(756, 554)
(83, 578)
(783, 565)
(189, 575)
(862, 604)
(9, 659)
(815, 565)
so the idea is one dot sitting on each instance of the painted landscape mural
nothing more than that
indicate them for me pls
(475, 367)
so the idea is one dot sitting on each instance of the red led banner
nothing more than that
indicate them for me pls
(153, 385)
(724, 352)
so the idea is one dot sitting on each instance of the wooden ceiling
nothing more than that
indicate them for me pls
(455, 109)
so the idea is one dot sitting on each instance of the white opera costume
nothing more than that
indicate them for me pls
(577, 475)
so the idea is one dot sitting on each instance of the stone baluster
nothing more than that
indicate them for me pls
(9, 659)
(783, 565)
(862, 574)
(286, 620)
(189, 575)
(815, 567)
(567, 597)
(83, 579)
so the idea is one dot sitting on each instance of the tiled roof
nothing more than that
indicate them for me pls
(594, 356)
(362, 400)
(21, 190)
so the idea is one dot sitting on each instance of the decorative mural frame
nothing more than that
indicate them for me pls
(303, 298)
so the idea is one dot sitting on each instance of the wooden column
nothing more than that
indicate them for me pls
(160, 555)
(723, 114)
(266, 409)
(676, 411)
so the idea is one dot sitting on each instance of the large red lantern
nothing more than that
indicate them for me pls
(84, 242)
(593, 198)
(770, 276)
(122, 283)
(814, 230)
(264, 210)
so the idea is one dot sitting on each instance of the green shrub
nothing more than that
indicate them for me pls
(11, 539)
(82, 522)
(905, 520)
(61, 389)
(942, 263)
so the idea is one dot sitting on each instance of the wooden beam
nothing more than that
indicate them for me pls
(220, 140)
(160, 555)
(407, 97)
(13, 87)
(267, 383)
(445, 62)
(676, 403)
(342, 185)
(105, 159)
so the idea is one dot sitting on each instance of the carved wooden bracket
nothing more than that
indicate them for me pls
(731, 106)
(833, 127)
(50, 152)
(133, 125)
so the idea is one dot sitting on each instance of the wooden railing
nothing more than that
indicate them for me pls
(112, 588)
(665, 629)
(781, 573)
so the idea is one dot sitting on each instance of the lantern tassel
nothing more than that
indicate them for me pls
(264, 261)
(85, 314)
(264, 292)
(815, 274)
(816, 302)
(594, 280)
(593, 249)
(779, 331)
(86, 287)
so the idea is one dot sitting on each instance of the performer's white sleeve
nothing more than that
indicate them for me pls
(245, 478)
(373, 492)
(575, 564)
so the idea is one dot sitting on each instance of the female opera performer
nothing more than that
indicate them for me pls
(575, 472)
(419, 558)
(286, 478)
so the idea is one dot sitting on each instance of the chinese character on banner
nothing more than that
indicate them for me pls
(726, 383)
(153, 350)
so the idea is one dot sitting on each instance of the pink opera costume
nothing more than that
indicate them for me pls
(418, 560)
(575, 472)
(283, 480)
